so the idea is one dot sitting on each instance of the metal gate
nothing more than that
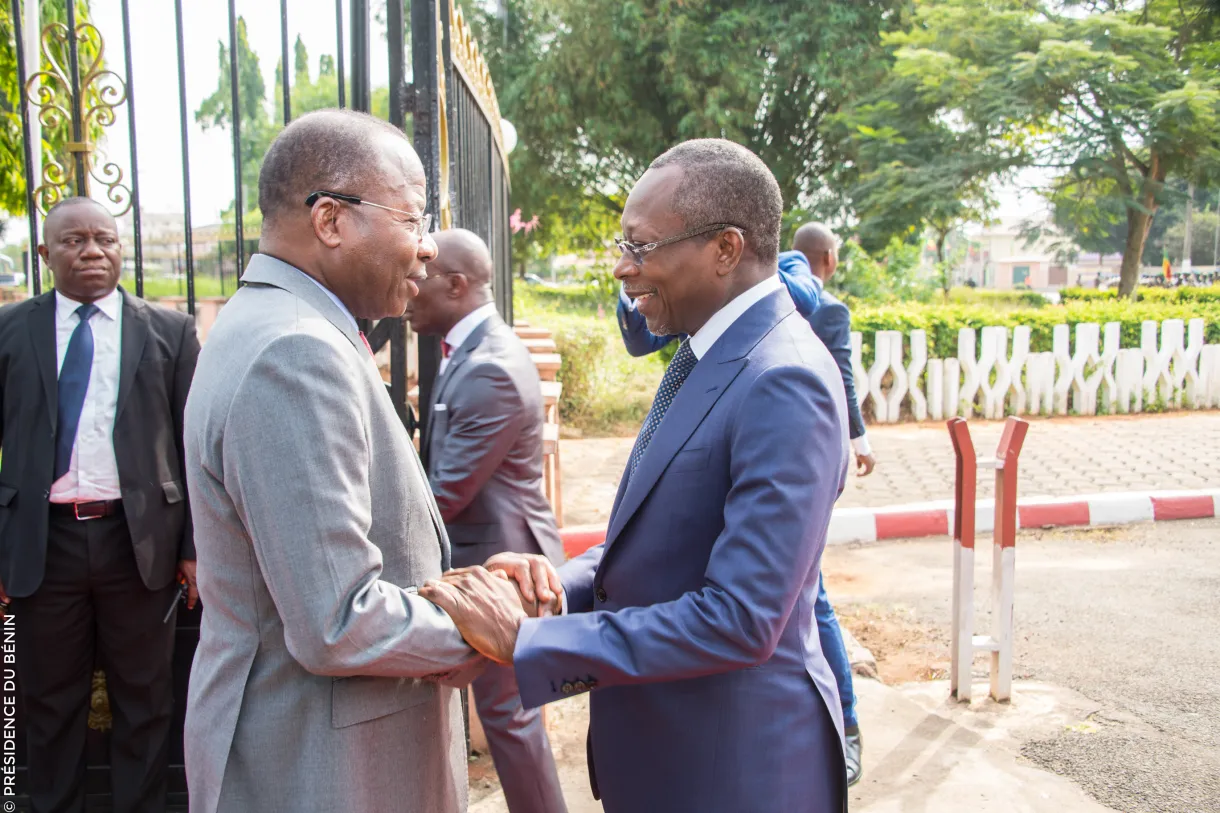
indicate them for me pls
(66, 88)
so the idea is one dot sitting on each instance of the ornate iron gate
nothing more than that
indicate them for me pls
(456, 131)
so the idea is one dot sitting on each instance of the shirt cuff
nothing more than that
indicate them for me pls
(861, 445)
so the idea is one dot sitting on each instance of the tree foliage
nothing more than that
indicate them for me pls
(1116, 100)
(598, 88)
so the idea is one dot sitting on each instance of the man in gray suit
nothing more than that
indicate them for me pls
(484, 451)
(318, 682)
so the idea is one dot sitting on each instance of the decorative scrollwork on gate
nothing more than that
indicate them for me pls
(100, 91)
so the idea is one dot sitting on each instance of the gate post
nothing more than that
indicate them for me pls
(1003, 562)
(965, 486)
(1003, 556)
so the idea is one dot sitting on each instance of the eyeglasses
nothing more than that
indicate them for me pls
(638, 250)
(416, 224)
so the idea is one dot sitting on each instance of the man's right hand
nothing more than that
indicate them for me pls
(537, 581)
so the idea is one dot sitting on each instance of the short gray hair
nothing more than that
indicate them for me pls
(327, 149)
(724, 182)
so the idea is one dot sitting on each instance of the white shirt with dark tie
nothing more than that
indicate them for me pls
(460, 332)
(93, 473)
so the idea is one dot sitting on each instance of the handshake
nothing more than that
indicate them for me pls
(488, 603)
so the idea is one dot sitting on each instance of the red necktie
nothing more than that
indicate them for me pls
(367, 346)
(446, 349)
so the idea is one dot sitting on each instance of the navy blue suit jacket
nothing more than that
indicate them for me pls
(832, 324)
(693, 623)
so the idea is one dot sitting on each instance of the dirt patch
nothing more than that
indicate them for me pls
(906, 649)
(482, 774)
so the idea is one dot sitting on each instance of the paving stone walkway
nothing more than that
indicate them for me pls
(1062, 457)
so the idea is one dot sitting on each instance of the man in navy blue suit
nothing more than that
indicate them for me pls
(804, 270)
(692, 624)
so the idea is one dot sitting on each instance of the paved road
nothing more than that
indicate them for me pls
(1062, 457)
(1126, 617)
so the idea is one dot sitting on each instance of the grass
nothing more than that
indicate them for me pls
(157, 287)
(606, 392)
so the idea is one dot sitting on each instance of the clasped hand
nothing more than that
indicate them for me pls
(488, 603)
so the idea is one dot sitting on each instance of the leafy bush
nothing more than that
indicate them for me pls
(1210, 293)
(998, 299)
(942, 322)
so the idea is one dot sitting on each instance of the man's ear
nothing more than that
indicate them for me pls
(459, 285)
(324, 217)
(44, 253)
(730, 247)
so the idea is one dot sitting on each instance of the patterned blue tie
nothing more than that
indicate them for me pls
(679, 368)
(73, 384)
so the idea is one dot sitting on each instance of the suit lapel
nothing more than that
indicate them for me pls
(709, 380)
(42, 335)
(456, 360)
(135, 334)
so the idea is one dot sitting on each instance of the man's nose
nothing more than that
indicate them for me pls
(92, 248)
(625, 267)
(427, 251)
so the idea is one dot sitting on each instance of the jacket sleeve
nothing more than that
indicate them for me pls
(785, 479)
(833, 326)
(295, 454)
(486, 415)
(806, 292)
(638, 340)
(184, 372)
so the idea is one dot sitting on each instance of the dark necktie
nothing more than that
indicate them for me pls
(679, 368)
(73, 384)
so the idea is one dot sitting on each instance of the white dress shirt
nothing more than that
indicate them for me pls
(460, 332)
(724, 318)
(93, 473)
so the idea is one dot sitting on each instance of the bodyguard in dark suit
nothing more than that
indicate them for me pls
(484, 449)
(94, 524)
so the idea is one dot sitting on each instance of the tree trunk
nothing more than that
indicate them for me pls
(1139, 220)
(945, 281)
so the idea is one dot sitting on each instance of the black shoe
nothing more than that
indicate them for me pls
(855, 747)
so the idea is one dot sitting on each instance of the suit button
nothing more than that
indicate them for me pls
(600, 593)
(581, 686)
(566, 688)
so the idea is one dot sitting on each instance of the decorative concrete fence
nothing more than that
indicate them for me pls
(995, 374)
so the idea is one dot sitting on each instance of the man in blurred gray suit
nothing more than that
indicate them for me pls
(319, 682)
(484, 450)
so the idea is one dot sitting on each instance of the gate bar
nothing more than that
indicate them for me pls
(339, 54)
(285, 85)
(135, 171)
(235, 107)
(78, 130)
(34, 270)
(186, 165)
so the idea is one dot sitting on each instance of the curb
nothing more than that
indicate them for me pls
(936, 518)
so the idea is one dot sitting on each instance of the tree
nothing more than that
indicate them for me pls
(1117, 100)
(598, 88)
(54, 139)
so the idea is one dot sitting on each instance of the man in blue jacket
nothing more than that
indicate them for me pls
(804, 272)
(692, 625)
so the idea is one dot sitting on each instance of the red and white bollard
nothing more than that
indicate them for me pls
(964, 642)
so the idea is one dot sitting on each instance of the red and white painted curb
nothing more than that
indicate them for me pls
(936, 518)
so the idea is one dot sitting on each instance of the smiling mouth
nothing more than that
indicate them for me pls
(640, 297)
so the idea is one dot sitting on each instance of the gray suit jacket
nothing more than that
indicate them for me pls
(315, 683)
(485, 450)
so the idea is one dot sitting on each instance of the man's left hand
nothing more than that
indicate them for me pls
(537, 581)
(187, 568)
(865, 464)
(484, 606)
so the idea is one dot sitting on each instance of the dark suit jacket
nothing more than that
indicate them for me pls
(832, 324)
(484, 440)
(158, 348)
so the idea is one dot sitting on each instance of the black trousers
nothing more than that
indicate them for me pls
(93, 604)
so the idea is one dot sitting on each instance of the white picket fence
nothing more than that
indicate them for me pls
(1172, 367)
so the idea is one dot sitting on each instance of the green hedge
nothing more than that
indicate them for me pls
(942, 322)
(1210, 293)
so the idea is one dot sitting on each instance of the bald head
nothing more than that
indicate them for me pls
(463, 252)
(820, 246)
(458, 282)
(335, 150)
